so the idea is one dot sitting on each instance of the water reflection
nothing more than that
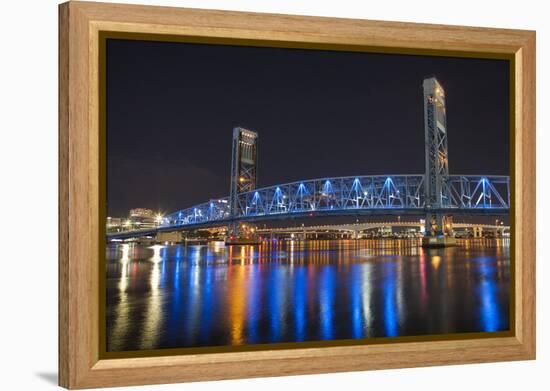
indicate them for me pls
(487, 295)
(390, 305)
(211, 295)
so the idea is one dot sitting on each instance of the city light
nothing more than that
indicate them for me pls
(159, 218)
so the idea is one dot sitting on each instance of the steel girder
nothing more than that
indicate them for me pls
(346, 194)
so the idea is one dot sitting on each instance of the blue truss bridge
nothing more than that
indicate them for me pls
(359, 195)
(434, 194)
(356, 195)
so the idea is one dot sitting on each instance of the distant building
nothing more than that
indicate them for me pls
(142, 218)
(138, 218)
(385, 231)
(114, 224)
(142, 213)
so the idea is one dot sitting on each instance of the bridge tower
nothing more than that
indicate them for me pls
(244, 169)
(437, 165)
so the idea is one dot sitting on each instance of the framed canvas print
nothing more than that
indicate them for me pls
(247, 195)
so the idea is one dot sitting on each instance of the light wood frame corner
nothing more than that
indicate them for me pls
(80, 166)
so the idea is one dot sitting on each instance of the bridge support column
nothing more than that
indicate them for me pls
(244, 176)
(439, 231)
(436, 193)
(478, 232)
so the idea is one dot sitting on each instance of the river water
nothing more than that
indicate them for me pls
(178, 296)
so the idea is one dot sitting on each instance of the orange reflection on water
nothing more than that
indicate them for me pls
(423, 280)
(122, 309)
(153, 314)
(237, 293)
(436, 260)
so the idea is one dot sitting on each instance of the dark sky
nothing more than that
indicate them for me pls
(171, 108)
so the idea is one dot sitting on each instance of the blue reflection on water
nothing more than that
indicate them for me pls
(163, 269)
(390, 305)
(356, 302)
(489, 310)
(300, 292)
(254, 307)
(207, 305)
(326, 297)
(176, 302)
(192, 299)
(276, 288)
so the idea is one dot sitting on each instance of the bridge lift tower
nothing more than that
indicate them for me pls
(244, 170)
(438, 226)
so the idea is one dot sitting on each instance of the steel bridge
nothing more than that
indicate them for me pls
(359, 195)
(435, 194)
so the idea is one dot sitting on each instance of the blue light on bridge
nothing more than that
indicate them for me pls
(256, 198)
(328, 186)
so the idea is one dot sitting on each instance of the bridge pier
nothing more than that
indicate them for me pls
(437, 197)
(438, 241)
(439, 231)
(478, 232)
(244, 178)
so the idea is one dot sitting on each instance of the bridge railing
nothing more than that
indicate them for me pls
(348, 194)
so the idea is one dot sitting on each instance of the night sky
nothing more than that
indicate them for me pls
(171, 108)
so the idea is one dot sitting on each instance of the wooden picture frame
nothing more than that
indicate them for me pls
(80, 189)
